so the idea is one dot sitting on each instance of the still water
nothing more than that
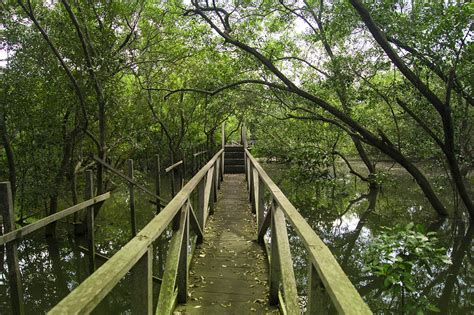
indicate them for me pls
(344, 213)
(347, 216)
(51, 268)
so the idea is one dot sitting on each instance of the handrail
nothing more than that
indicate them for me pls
(128, 179)
(19, 233)
(136, 255)
(326, 277)
(199, 153)
(169, 168)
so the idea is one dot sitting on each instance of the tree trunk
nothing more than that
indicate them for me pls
(10, 155)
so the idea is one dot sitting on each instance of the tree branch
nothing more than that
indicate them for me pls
(221, 89)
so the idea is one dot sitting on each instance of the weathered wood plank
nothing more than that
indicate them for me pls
(229, 272)
(199, 153)
(194, 223)
(92, 291)
(171, 167)
(207, 193)
(21, 232)
(265, 225)
(288, 279)
(275, 270)
(171, 268)
(317, 298)
(182, 275)
(201, 215)
(343, 294)
(142, 293)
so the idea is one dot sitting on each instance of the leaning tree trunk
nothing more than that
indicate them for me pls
(10, 155)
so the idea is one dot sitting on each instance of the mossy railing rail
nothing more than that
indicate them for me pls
(137, 256)
(328, 286)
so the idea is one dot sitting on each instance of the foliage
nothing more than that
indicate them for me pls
(398, 255)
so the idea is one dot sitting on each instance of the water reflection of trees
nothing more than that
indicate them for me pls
(347, 218)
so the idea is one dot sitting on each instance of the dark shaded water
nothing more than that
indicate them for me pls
(343, 212)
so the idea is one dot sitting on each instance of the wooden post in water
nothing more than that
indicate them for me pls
(158, 183)
(142, 292)
(89, 193)
(16, 289)
(131, 191)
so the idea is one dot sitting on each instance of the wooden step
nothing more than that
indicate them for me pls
(234, 162)
(234, 148)
(234, 169)
(233, 155)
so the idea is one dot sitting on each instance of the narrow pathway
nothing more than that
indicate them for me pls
(230, 271)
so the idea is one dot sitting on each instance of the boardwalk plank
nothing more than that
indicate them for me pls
(229, 273)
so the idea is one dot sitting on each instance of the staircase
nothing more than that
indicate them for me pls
(234, 159)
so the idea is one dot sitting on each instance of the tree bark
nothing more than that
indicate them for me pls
(443, 108)
(10, 155)
(363, 133)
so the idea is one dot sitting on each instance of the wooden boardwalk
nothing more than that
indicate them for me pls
(229, 274)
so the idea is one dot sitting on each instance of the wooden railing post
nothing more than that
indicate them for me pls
(260, 202)
(16, 288)
(89, 192)
(212, 193)
(275, 272)
(182, 276)
(223, 153)
(158, 183)
(131, 191)
(142, 292)
(218, 173)
(222, 166)
(317, 296)
(257, 203)
(246, 169)
(175, 275)
(287, 275)
(201, 211)
(216, 179)
(250, 181)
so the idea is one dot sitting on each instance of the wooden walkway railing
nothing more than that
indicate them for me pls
(328, 286)
(137, 255)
